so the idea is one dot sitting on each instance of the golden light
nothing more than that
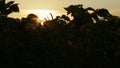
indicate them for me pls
(43, 14)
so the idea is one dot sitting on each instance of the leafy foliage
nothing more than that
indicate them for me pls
(7, 8)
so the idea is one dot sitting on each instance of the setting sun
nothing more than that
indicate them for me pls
(44, 14)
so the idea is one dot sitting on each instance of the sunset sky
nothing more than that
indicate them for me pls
(56, 7)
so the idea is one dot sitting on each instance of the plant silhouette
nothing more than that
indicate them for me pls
(81, 15)
(31, 21)
(7, 8)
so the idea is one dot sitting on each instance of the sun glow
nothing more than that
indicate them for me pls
(44, 14)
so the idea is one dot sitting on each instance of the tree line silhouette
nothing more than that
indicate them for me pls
(90, 40)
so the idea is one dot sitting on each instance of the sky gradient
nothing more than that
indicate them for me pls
(112, 5)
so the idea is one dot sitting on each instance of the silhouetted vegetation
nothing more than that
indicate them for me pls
(90, 40)
(7, 8)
